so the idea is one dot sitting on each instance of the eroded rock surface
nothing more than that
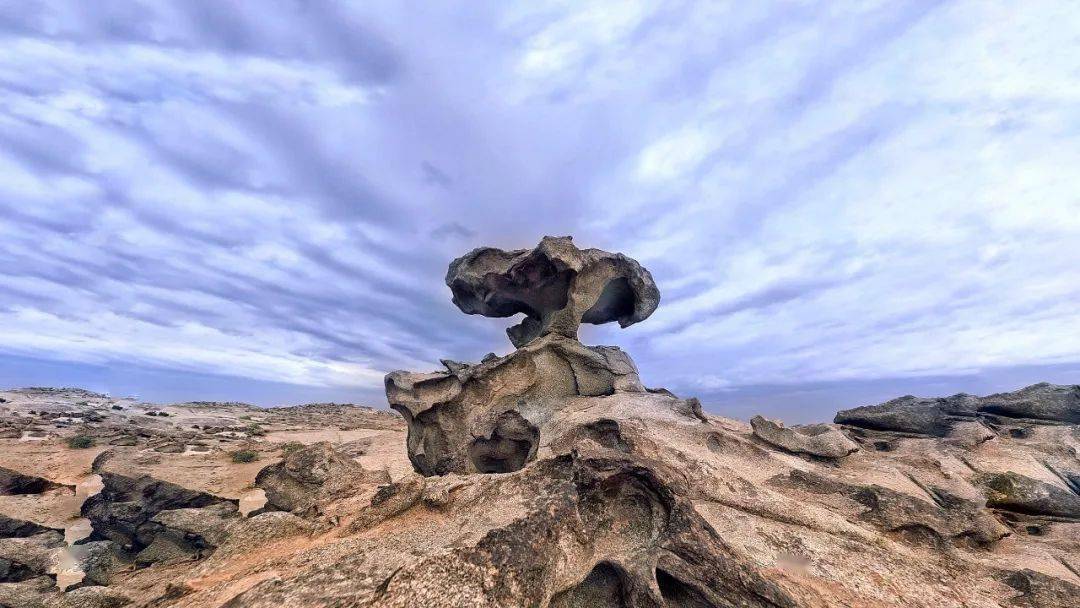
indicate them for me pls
(491, 417)
(1040, 404)
(820, 440)
(555, 285)
(156, 520)
(311, 475)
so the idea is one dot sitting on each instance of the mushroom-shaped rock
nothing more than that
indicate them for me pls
(556, 285)
(313, 474)
(821, 440)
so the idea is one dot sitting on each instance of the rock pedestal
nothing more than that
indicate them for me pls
(494, 416)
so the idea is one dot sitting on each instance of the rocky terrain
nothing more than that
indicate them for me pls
(549, 477)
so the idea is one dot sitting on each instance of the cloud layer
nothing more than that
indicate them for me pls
(824, 191)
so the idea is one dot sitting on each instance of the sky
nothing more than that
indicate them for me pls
(841, 202)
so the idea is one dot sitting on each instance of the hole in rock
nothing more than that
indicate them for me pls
(616, 301)
(608, 434)
(883, 446)
(512, 443)
(678, 594)
(603, 587)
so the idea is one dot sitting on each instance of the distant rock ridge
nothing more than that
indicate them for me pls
(1042, 403)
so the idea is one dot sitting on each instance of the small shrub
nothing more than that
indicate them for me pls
(291, 446)
(245, 417)
(242, 456)
(255, 430)
(79, 442)
(117, 407)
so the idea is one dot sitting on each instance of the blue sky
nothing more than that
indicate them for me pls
(840, 201)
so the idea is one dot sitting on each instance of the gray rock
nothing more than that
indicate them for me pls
(556, 285)
(1038, 590)
(25, 558)
(100, 561)
(1021, 494)
(127, 510)
(820, 440)
(934, 417)
(19, 528)
(937, 417)
(32, 593)
(1044, 401)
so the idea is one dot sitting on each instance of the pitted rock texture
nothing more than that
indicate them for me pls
(555, 285)
(820, 440)
(491, 417)
(312, 475)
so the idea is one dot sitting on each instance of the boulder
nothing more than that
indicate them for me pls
(311, 475)
(487, 417)
(185, 534)
(31, 593)
(822, 440)
(934, 417)
(90, 597)
(555, 285)
(100, 561)
(1021, 494)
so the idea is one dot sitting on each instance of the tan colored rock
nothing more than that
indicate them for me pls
(822, 440)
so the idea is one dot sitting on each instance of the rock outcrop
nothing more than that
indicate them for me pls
(821, 440)
(1018, 493)
(311, 475)
(155, 520)
(14, 483)
(1038, 404)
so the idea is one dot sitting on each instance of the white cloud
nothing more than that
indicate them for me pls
(823, 190)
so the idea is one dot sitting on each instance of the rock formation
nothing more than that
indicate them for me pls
(496, 415)
(820, 440)
(556, 286)
(548, 477)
